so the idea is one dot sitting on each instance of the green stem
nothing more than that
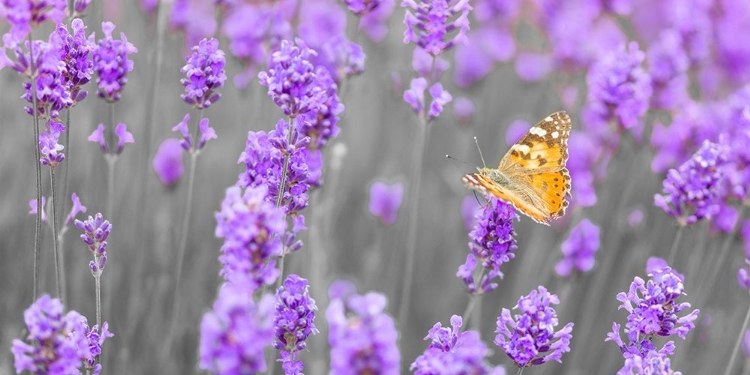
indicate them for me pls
(37, 157)
(53, 202)
(520, 370)
(737, 344)
(111, 157)
(67, 164)
(280, 194)
(473, 297)
(675, 244)
(724, 251)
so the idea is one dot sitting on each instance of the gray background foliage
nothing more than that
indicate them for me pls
(378, 134)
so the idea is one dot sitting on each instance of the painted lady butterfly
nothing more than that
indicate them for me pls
(532, 175)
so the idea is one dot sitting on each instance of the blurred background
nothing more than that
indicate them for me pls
(523, 61)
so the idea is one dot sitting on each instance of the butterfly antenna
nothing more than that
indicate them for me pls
(476, 197)
(480, 152)
(454, 159)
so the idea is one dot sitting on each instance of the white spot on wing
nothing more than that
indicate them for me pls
(555, 135)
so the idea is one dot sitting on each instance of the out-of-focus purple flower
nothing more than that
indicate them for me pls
(743, 275)
(737, 171)
(374, 24)
(429, 22)
(492, 244)
(619, 90)
(362, 336)
(168, 162)
(428, 66)
(668, 65)
(385, 201)
(236, 331)
(415, 95)
(207, 133)
(440, 98)
(74, 211)
(515, 131)
(340, 57)
(635, 218)
(725, 218)
(205, 74)
(111, 63)
(529, 338)
(658, 265)
(48, 146)
(75, 52)
(32, 204)
(533, 66)
(149, 6)
(23, 15)
(123, 136)
(463, 110)
(182, 127)
(470, 209)
(80, 6)
(56, 343)
(95, 339)
(290, 78)
(293, 322)
(251, 227)
(320, 123)
(475, 59)
(320, 21)
(691, 191)
(362, 7)
(264, 161)
(95, 233)
(453, 352)
(579, 249)
(587, 164)
(746, 345)
(195, 18)
(98, 137)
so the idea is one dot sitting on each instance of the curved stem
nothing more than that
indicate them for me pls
(37, 157)
(675, 244)
(53, 202)
(737, 344)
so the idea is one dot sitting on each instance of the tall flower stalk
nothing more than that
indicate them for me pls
(95, 234)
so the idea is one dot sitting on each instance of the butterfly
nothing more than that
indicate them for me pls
(532, 175)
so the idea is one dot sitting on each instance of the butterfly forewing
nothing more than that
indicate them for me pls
(536, 180)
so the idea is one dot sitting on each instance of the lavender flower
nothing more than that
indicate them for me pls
(32, 204)
(743, 275)
(51, 94)
(75, 52)
(23, 15)
(579, 249)
(492, 243)
(95, 341)
(290, 78)
(320, 123)
(415, 97)
(652, 311)
(123, 137)
(428, 23)
(385, 201)
(361, 7)
(95, 233)
(111, 63)
(250, 226)
(50, 149)
(168, 163)
(293, 322)
(691, 191)
(74, 211)
(235, 333)
(362, 336)
(205, 74)
(80, 6)
(470, 210)
(463, 110)
(453, 352)
(195, 18)
(668, 65)
(56, 342)
(341, 57)
(529, 338)
(619, 89)
(207, 133)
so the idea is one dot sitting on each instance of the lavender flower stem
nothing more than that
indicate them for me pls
(61, 247)
(111, 159)
(280, 195)
(724, 251)
(413, 220)
(97, 279)
(473, 297)
(737, 344)
(520, 370)
(185, 226)
(37, 157)
(53, 202)
(67, 166)
(675, 244)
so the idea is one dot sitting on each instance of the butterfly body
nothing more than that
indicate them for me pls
(532, 175)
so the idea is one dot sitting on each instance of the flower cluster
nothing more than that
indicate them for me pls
(529, 338)
(57, 343)
(205, 74)
(23, 15)
(453, 352)
(293, 322)
(691, 191)
(290, 78)
(320, 124)
(50, 149)
(619, 91)
(652, 311)
(95, 233)
(250, 226)
(668, 65)
(362, 7)
(207, 133)
(75, 52)
(111, 63)
(492, 243)
(385, 200)
(235, 333)
(362, 336)
(579, 249)
(428, 23)
(123, 137)
(52, 95)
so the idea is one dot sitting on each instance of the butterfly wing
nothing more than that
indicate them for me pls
(537, 162)
(532, 174)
